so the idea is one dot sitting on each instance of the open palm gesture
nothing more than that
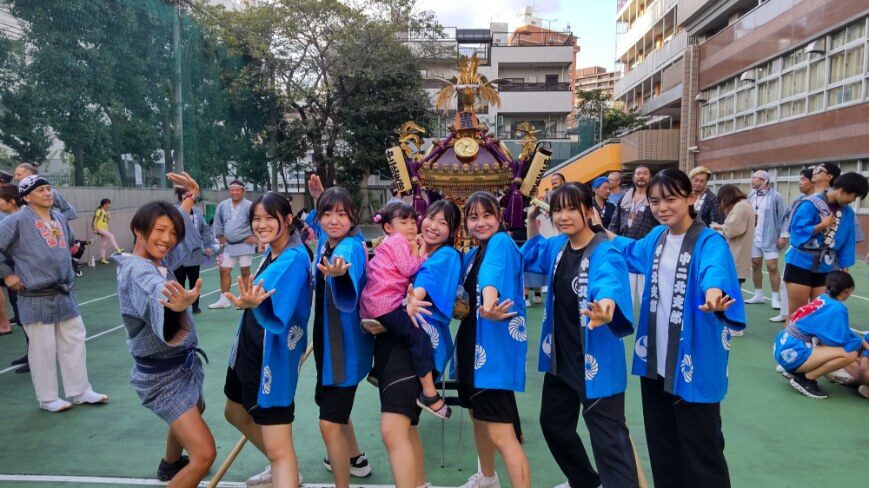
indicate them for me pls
(338, 267)
(315, 187)
(184, 180)
(416, 308)
(177, 297)
(498, 311)
(716, 301)
(599, 313)
(250, 295)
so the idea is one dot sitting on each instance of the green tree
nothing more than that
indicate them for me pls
(593, 104)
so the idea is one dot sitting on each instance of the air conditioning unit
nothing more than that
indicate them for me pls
(749, 76)
(818, 46)
(700, 98)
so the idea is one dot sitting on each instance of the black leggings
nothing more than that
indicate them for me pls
(421, 352)
(189, 274)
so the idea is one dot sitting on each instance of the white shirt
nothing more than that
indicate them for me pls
(666, 279)
(761, 205)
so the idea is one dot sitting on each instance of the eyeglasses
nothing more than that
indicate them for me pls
(818, 170)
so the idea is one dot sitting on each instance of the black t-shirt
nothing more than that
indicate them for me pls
(567, 332)
(319, 310)
(466, 337)
(249, 359)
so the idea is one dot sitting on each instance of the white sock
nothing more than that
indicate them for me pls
(758, 293)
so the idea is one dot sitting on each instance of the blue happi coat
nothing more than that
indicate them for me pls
(349, 360)
(803, 221)
(499, 354)
(284, 316)
(700, 373)
(439, 275)
(823, 321)
(605, 365)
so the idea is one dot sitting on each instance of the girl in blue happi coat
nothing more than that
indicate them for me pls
(266, 358)
(492, 342)
(822, 237)
(433, 287)
(818, 339)
(691, 301)
(342, 350)
(588, 311)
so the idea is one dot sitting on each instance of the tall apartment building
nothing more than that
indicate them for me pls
(596, 78)
(539, 64)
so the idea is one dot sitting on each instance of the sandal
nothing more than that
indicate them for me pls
(373, 327)
(426, 403)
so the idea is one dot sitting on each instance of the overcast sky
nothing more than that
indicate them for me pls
(593, 21)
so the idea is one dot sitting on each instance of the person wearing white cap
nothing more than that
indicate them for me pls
(771, 211)
(37, 238)
(232, 229)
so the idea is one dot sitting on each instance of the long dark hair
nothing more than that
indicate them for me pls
(728, 196)
(144, 219)
(452, 215)
(672, 181)
(275, 205)
(9, 191)
(487, 202)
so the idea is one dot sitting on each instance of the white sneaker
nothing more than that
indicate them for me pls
(563, 485)
(538, 299)
(222, 302)
(779, 318)
(527, 302)
(863, 390)
(841, 377)
(737, 333)
(757, 298)
(55, 405)
(264, 479)
(783, 372)
(776, 303)
(477, 480)
(90, 396)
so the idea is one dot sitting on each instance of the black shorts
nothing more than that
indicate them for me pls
(246, 396)
(398, 384)
(335, 402)
(490, 405)
(805, 277)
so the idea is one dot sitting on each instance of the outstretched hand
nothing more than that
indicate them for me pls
(716, 301)
(599, 313)
(178, 299)
(184, 180)
(338, 267)
(416, 308)
(498, 311)
(250, 295)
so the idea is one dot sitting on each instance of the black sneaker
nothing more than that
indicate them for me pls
(24, 368)
(359, 466)
(19, 361)
(807, 387)
(167, 471)
(196, 311)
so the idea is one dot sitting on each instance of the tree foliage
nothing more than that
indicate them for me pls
(616, 122)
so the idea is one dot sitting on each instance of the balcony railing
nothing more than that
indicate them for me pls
(653, 62)
(536, 38)
(640, 27)
(507, 134)
(534, 87)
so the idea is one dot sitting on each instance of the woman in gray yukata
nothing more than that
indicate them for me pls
(161, 335)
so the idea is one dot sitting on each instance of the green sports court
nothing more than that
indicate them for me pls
(775, 436)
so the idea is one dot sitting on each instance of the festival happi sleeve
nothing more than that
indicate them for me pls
(535, 255)
(830, 326)
(288, 276)
(803, 222)
(179, 253)
(846, 255)
(609, 279)
(637, 253)
(500, 267)
(346, 289)
(8, 235)
(171, 328)
(439, 276)
(218, 221)
(717, 270)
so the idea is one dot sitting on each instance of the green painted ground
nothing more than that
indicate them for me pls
(775, 437)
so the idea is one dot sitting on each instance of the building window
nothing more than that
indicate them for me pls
(795, 84)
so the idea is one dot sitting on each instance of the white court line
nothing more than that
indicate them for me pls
(105, 480)
(82, 304)
(99, 334)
